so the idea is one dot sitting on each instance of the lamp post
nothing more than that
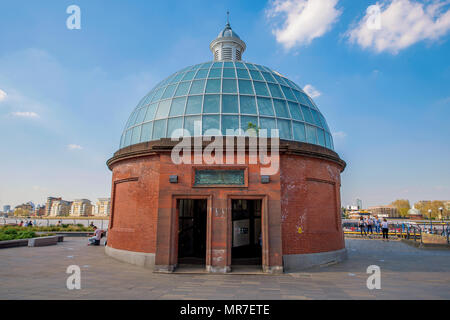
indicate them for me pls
(431, 221)
(442, 218)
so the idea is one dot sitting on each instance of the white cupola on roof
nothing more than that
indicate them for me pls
(227, 46)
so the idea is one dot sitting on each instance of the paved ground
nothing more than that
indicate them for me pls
(406, 273)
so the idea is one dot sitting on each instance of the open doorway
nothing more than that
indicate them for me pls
(247, 236)
(192, 219)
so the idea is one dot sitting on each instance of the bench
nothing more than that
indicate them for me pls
(44, 241)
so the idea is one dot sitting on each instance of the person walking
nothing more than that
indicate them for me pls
(362, 226)
(385, 229)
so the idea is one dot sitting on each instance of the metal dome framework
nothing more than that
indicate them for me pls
(227, 95)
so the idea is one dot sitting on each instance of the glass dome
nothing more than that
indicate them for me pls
(227, 95)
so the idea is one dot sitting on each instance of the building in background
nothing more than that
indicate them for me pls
(81, 208)
(25, 209)
(414, 214)
(60, 208)
(39, 210)
(384, 211)
(102, 208)
(7, 209)
(359, 204)
(447, 205)
(49, 203)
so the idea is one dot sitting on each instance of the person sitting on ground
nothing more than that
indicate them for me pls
(95, 239)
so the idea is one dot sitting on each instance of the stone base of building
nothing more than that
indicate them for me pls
(298, 262)
(214, 269)
(146, 260)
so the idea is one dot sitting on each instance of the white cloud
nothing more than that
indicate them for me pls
(2, 95)
(74, 147)
(311, 91)
(298, 22)
(26, 114)
(339, 135)
(402, 24)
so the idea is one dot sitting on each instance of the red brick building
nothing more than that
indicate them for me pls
(165, 214)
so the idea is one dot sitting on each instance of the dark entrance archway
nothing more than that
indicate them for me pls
(192, 232)
(247, 232)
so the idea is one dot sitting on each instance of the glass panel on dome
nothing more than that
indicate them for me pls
(321, 137)
(215, 73)
(280, 80)
(136, 136)
(211, 104)
(268, 77)
(285, 129)
(295, 111)
(206, 65)
(194, 105)
(324, 123)
(311, 134)
(301, 97)
(159, 129)
(201, 74)
(146, 134)
(141, 116)
(299, 131)
(229, 73)
(229, 86)
(230, 123)
(250, 66)
(245, 87)
(213, 86)
(217, 65)
(211, 123)
(256, 75)
(288, 93)
(243, 74)
(328, 141)
(177, 78)
(190, 122)
(194, 68)
(245, 120)
(281, 108)
(163, 109)
(177, 108)
(151, 112)
(182, 89)
(188, 76)
(133, 118)
(265, 106)
(174, 124)
(158, 94)
(197, 87)
(228, 65)
(307, 114)
(261, 89)
(248, 105)
(261, 68)
(316, 118)
(169, 91)
(275, 90)
(128, 138)
(230, 104)
(239, 65)
(268, 124)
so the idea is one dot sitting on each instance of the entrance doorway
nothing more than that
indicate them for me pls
(192, 223)
(246, 236)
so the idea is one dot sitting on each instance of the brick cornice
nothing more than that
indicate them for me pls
(166, 145)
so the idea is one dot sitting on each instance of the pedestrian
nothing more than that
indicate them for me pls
(385, 229)
(370, 225)
(362, 226)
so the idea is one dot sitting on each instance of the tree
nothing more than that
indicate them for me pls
(424, 206)
(402, 206)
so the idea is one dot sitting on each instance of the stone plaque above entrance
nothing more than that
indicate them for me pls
(219, 177)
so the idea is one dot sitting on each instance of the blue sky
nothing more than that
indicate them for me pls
(65, 95)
